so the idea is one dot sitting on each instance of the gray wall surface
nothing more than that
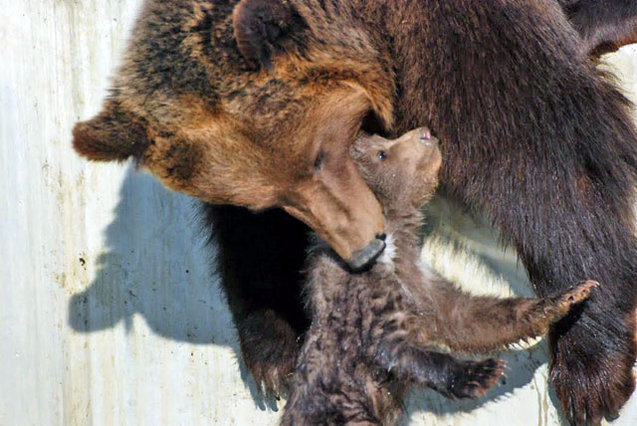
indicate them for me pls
(111, 315)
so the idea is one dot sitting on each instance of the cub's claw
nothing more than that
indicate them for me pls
(555, 308)
(578, 293)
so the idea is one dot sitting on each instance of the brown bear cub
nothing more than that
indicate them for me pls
(375, 333)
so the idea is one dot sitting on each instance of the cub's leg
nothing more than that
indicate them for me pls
(451, 377)
(390, 328)
(259, 258)
(482, 324)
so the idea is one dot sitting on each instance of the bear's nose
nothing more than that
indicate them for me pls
(365, 256)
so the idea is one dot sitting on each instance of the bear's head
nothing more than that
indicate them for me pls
(253, 103)
(403, 172)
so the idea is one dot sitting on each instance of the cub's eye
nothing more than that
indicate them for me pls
(319, 159)
(382, 156)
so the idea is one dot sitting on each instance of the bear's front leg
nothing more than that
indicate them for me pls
(593, 349)
(593, 353)
(259, 259)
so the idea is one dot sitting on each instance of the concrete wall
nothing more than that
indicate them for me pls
(110, 313)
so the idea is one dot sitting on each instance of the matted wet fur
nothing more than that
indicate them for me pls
(255, 103)
(374, 334)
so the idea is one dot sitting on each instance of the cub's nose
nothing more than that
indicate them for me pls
(426, 138)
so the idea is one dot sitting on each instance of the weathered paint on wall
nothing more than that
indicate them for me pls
(110, 313)
(111, 316)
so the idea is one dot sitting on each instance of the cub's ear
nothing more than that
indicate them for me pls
(114, 134)
(264, 27)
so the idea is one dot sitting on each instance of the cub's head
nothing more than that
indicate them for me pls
(253, 103)
(403, 172)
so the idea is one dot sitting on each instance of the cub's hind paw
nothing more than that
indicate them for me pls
(474, 378)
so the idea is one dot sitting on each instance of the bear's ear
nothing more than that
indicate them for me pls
(114, 134)
(264, 27)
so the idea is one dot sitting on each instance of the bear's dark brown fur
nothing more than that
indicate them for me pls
(604, 25)
(532, 134)
(375, 333)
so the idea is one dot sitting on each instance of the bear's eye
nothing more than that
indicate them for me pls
(319, 159)
(382, 156)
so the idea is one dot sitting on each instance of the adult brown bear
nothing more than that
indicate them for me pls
(255, 103)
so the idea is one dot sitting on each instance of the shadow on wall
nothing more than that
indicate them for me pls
(156, 264)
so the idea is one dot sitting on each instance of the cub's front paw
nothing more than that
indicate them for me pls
(560, 306)
(474, 378)
(552, 309)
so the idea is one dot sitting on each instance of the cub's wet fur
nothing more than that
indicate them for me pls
(375, 333)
